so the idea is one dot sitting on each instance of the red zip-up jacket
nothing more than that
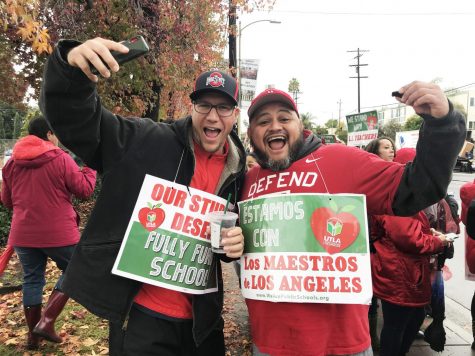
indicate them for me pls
(38, 184)
(400, 266)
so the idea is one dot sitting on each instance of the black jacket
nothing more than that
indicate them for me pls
(124, 150)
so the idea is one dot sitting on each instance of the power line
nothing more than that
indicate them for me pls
(350, 13)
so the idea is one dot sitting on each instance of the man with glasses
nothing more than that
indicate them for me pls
(200, 151)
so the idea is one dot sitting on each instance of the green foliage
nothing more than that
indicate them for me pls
(332, 123)
(342, 134)
(2, 126)
(294, 86)
(413, 122)
(5, 220)
(11, 120)
(307, 120)
(389, 129)
(30, 115)
(17, 124)
(319, 130)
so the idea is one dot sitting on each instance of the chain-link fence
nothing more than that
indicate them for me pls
(6, 148)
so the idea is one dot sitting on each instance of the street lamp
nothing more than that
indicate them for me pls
(240, 29)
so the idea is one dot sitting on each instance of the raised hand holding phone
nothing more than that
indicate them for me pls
(99, 53)
(137, 47)
(425, 98)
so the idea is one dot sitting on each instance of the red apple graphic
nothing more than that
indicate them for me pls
(151, 217)
(334, 231)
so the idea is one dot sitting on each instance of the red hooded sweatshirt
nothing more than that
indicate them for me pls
(38, 184)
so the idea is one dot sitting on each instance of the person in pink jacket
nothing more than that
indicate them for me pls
(467, 194)
(38, 184)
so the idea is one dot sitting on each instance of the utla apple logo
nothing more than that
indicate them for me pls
(151, 217)
(334, 229)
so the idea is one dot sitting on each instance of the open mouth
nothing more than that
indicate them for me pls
(211, 132)
(276, 142)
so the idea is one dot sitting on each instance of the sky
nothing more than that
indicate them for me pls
(406, 40)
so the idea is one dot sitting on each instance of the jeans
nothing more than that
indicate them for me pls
(33, 261)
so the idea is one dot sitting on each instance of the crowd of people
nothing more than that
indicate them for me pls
(202, 151)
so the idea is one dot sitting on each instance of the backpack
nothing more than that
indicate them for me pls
(441, 218)
(446, 221)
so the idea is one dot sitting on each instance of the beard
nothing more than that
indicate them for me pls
(281, 164)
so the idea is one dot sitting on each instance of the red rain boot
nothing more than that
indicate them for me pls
(32, 316)
(45, 327)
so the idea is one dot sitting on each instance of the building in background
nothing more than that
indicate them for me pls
(466, 99)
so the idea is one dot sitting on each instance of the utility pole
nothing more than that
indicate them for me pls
(294, 88)
(339, 111)
(296, 97)
(359, 53)
(232, 39)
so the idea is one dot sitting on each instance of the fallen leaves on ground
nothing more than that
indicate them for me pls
(86, 334)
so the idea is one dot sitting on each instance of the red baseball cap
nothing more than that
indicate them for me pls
(271, 96)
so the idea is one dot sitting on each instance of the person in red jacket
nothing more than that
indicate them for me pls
(467, 194)
(38, 184)
(289, 155)
(400, 269)
(384, 148)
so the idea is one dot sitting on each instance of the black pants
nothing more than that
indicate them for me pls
(373, 308)
(400, 327)
(148, 335)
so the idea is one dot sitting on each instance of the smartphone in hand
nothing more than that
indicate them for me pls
(137, 47)
(451, 236)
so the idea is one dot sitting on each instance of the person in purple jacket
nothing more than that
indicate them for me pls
(38, 184)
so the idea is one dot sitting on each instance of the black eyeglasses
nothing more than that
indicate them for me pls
(222, 109)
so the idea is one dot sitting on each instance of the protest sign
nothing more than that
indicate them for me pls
(165, 243)
(362, 128)
(306, 248)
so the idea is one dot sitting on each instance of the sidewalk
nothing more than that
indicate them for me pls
(458, 327)
(457, 324)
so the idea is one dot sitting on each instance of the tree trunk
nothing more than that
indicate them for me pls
(154, 109)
